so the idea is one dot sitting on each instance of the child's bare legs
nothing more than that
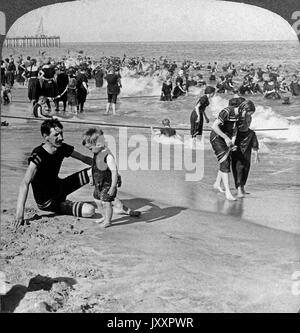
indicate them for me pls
(225, 179)
(217, 184)
(124, 209)
(108, 212)
(100, 210)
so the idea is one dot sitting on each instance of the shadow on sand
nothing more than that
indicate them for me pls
(153, 213)
(11, 300)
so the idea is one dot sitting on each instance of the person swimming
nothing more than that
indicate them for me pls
(166, 131)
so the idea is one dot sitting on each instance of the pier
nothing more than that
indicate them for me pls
(26, 42)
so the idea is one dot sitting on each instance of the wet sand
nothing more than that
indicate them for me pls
(190, 251)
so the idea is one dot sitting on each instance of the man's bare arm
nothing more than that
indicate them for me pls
(23, 192)
(83, 158)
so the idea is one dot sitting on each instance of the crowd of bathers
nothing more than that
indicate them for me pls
(69, 75)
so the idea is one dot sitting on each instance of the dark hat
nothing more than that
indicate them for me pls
(209, 90)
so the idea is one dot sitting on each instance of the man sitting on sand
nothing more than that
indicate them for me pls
(50, 191)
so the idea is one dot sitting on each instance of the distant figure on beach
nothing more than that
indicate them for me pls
(72, 96)
(62, 81)
(105, 176)
(246, 141)
(167, 130)
(99, 75)
(113, 89)
(10, 73)
(295, 86)
(222, 139)
(179, 91)
(46, 78)
(271, 89)
(6, 96)
(3, 69)
(166, 90)
(81, 88)
(50, 192)
(180, 86)
(34, 87)
(198, 114)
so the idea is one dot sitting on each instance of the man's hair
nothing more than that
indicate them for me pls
(48, 124)
(91, 135)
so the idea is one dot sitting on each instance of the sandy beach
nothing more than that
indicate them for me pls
(190, 251)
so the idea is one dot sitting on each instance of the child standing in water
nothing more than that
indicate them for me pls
(246, 141)
(105, 177)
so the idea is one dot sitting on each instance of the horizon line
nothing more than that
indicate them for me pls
(188, 41)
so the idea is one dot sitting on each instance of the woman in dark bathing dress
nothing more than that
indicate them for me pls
(198, 114)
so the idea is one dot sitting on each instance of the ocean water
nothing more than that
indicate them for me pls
(150, 111)
(269, 114)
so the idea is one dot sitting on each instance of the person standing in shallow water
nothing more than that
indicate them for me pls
(198, 114)
(222, 139)
(246, 141)
(81, 88)
(113, 89)
(166, 90)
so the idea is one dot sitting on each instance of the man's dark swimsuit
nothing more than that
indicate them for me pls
(49, 190)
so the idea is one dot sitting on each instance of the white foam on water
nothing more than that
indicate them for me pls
(293, 117)
(167, 140)
(266, 118)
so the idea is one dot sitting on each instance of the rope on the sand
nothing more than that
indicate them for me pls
(100, 98)
(125, 125)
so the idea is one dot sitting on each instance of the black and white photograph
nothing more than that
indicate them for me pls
(150, 158)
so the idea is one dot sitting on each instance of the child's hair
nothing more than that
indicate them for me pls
(72, 83)
(166, 122)
(91, 135)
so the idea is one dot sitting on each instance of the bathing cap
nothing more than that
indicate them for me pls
(236, 102)
(247, 106)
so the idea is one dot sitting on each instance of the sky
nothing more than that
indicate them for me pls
(154, 20)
